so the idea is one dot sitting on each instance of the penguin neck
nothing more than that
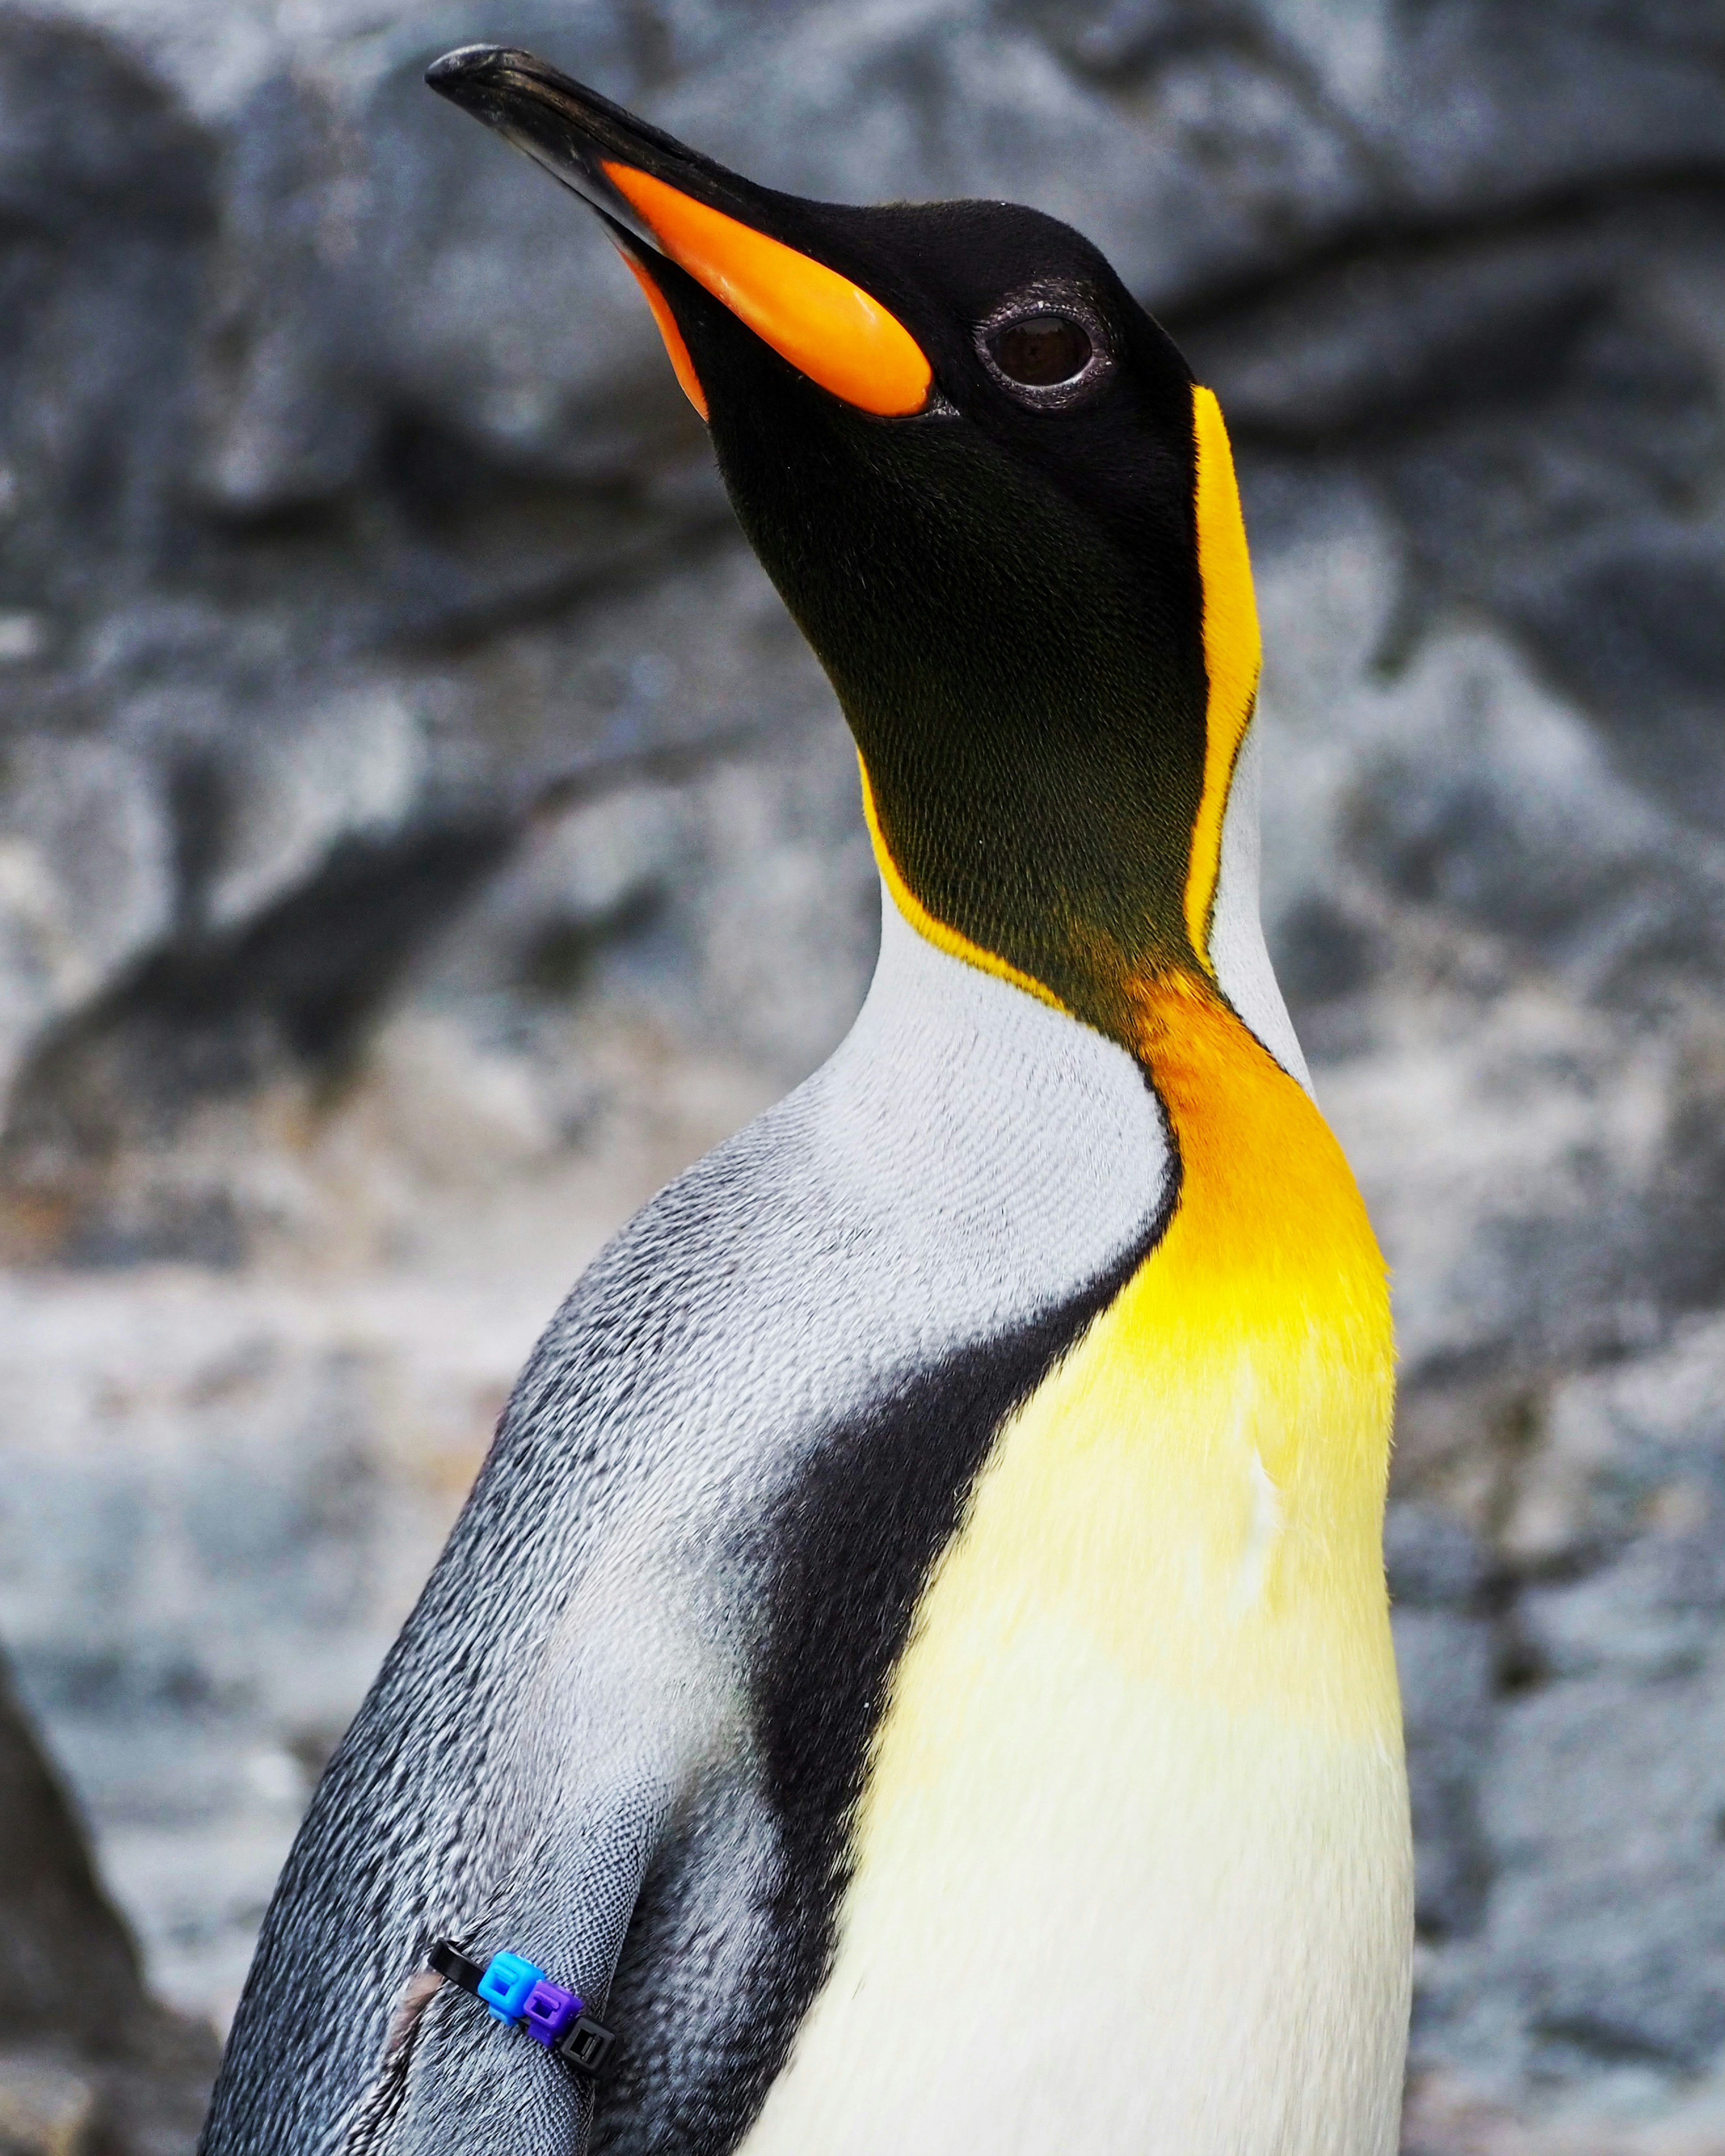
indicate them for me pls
(1236, 969)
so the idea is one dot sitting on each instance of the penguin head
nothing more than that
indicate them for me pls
(991, 496)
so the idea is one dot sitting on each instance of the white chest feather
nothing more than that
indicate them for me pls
(1115, 1902)
(1136, 1927)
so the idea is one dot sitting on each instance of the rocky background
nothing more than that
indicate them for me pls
(421, 832)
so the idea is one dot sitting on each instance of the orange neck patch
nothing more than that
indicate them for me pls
(1270, 1227)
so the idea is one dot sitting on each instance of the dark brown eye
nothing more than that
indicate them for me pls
(1040, 349)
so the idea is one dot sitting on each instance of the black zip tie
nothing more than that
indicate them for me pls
(448, 1959)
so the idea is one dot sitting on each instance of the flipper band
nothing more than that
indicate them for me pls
(519, 1993)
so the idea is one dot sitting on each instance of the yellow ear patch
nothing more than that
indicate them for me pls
(827, 328)
(1232, 654)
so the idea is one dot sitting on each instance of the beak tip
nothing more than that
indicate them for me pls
(458, 73)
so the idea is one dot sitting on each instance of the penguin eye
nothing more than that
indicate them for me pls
(1040, 352)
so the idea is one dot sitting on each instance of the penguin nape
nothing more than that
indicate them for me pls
(917, 1658)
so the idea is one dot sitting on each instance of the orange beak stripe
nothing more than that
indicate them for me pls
(681, 365)
(826, 327)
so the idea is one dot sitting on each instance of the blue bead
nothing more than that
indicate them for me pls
(504, 1986)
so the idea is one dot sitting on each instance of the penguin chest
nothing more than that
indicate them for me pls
(1132, 1865)
(1131, 1868)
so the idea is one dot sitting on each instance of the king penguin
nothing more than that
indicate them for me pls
(916, 1657)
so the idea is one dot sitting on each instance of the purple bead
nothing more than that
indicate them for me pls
(549, 2011)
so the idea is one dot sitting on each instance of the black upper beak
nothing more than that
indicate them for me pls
(779, 265)
(570, 131)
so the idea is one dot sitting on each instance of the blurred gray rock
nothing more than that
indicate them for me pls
(1587, 1770)
(421, 831)
(68, 1972)
(1446, 1649)
(91, 2062)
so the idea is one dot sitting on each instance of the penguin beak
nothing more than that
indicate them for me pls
(660, 199)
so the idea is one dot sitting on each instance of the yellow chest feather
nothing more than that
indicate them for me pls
(1131, 1868)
